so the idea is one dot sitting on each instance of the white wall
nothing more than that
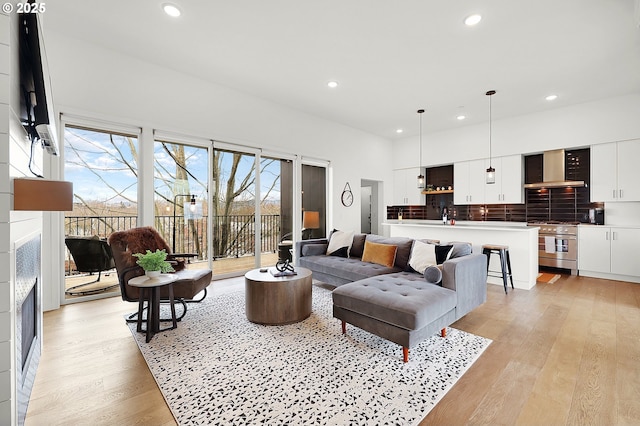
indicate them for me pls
(582, 125)
(90, 80)
(7, 375)
(14, 226)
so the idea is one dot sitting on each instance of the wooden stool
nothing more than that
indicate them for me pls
(505, 262)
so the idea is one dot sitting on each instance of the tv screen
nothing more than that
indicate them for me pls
(34, 107)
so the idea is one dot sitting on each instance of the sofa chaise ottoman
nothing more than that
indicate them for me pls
(401, 307)
(392, 300)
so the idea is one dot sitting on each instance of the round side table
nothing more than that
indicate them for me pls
(277, 300)
(150, 292)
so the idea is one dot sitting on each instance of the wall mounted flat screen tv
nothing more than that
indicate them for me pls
(35, 104)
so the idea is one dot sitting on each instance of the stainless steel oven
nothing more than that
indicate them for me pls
(558, 245)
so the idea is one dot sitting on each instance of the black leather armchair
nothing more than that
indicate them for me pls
(90, 254)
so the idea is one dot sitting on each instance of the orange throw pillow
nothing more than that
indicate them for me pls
(382, 254)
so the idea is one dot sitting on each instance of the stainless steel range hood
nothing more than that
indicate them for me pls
(553, 173)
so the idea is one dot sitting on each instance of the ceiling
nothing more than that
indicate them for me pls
(389, 57)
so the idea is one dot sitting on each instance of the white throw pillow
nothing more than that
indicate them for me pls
(340, 239)
(422, 256)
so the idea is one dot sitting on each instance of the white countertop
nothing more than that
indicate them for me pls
(496, 225)
(521, 239)
(480, 225)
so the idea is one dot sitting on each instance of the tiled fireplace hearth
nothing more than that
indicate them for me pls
(28, 320)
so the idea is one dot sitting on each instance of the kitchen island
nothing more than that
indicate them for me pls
(521, 239)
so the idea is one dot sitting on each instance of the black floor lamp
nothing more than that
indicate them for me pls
(192, 207)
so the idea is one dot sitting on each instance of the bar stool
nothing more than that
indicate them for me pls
(505, 262)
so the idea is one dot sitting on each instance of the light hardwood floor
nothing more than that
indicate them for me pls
(223, 266)
(562, 353)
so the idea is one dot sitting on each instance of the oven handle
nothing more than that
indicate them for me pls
(559, 237)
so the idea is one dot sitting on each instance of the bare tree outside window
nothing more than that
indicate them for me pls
(234, 200)
(104, 169)
(180, 173)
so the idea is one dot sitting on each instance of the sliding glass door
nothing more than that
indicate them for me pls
(233, 211)
(252, 210)
(181, 199)
(102, 165)
(217, 204)
(276, 210)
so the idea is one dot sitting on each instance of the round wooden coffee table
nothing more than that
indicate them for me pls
(277, 300)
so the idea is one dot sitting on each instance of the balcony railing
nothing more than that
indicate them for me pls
(233, 236)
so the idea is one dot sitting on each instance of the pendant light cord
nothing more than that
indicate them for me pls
(420, 111)
(421, 179)
(490, 93)
(420, 158)
(490, 129)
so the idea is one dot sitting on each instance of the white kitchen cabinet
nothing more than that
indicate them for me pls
(469, 182)
(405, 187)
(461, 185)
(628, 170)
(609, 250)
(594, 248)
(624, 251)
(614, 171)
(508, 188)
(470, 187)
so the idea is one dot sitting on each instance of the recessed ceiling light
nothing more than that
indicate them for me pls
(171, 10)
(472, 20)
(399, 131)
(551, 97)
(332, 84)
(461, 117)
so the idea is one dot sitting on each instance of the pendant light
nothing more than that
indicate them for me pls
(421, 180)
(491, 172)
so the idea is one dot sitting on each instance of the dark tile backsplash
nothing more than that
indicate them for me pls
(555, 204)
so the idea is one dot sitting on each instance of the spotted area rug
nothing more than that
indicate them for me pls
(217, 368)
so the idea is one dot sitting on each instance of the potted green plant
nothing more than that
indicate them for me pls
(154, 262)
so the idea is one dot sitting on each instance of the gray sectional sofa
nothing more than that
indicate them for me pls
(397, 303)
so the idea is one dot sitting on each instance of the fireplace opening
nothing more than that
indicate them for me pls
(29, 325)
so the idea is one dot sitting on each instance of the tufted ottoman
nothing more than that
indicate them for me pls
(401, 307)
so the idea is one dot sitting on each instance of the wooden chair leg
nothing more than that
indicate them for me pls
(443, 332)
(405, 354)
(344, 327)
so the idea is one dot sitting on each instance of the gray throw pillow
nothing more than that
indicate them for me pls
(433, 274)
(314, 249)
(460, 249)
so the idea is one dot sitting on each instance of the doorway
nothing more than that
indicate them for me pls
(370, 197)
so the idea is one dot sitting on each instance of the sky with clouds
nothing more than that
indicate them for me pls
(103, 168)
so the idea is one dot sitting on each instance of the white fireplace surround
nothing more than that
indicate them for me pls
(28, 276)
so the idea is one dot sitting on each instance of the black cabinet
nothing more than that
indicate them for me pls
(577, 163)
(440, 177)
(439, 180)
(576, 166)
